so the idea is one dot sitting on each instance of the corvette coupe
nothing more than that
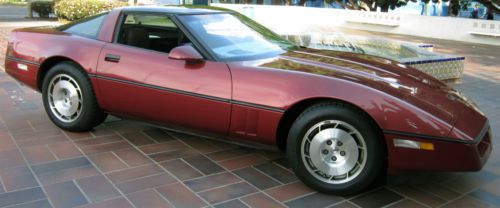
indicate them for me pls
(342, 118)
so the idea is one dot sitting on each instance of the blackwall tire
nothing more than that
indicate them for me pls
(69, 99)
(334, 148)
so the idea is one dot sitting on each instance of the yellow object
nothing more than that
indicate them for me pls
(426, 146)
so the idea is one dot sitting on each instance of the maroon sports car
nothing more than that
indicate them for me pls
(342, 118)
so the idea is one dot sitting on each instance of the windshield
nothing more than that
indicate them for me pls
(234, 39)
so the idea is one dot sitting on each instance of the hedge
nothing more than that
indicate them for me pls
(79, 9)
(43, 8)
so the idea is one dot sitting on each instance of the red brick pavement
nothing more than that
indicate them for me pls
(131, 164)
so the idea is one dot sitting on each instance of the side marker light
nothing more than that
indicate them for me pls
(405, 143)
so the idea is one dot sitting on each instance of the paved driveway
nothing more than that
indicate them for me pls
(131, 164)
(14, 16)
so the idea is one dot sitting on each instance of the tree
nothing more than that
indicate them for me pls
(385, 5)
(454, 7)
(369, 5)
(494, 5)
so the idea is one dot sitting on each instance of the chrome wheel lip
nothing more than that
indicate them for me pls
(65, 98)
(321, 153)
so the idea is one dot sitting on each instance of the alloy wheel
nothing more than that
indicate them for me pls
(333, 151)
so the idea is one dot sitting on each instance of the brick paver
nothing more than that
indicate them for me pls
(130, 164)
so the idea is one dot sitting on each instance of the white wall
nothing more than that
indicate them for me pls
(301, 20)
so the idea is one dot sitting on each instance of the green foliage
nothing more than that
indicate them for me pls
(464, 4)
(43, 8)
(14, 2)
(79, 9)
(454, 7)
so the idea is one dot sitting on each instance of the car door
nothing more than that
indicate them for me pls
(137, 79)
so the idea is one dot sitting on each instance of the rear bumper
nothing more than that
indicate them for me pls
(23, 71)
(448, 154)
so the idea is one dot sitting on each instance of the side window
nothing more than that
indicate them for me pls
(153, 32)
(88, 27)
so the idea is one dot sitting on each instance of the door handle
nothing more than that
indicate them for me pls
(112, 58)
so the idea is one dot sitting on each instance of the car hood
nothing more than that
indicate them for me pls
(405, 83)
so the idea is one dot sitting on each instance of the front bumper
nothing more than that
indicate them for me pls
(448, 154)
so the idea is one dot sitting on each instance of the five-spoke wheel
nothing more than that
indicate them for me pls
(335, 148)
(65, 98)
(69, 99)
(333, 151)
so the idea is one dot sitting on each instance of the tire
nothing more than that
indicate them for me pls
(69, 99)
(326, 165)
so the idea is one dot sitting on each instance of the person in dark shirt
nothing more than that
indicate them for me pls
(490, 15)
(475, 12)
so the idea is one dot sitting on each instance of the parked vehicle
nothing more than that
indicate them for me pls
(341, 117)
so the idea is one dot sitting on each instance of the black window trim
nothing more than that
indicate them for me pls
(196, 44)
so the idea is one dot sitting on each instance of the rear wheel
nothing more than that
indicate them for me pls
(69, 99)
(334, 148)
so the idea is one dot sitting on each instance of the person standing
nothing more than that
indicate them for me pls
(475, 13)
(490, 15)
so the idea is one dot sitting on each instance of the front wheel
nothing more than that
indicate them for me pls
(335, 148)
(69, 99)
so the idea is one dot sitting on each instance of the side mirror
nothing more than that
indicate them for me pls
(187, 53)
